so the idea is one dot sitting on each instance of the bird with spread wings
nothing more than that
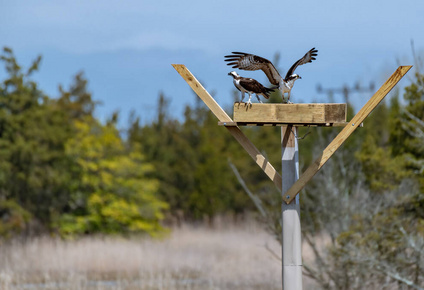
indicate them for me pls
(247, 61)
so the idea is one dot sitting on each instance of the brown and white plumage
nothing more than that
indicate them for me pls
(246, 61)
(250, 86)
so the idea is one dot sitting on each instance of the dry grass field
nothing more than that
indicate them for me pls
(228, 257)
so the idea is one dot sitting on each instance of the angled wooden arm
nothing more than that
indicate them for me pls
(345, 133)
(234, 130)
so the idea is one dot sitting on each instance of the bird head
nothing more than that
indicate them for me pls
(294, 77)
(233, 74)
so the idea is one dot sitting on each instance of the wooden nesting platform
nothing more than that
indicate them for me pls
(328, 115)
(296, 117)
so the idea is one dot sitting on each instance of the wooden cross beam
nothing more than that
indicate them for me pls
(234, 130)
(345, 133)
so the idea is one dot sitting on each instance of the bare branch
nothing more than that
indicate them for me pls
(256, 200)
(271, 251)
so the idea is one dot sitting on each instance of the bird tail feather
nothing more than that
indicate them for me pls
(268, 91)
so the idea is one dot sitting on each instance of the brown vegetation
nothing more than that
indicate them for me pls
(230, 257)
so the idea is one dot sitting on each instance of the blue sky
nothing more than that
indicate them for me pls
(126, 48)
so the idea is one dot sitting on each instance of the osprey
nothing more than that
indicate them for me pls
(246, 61)
(250, 86)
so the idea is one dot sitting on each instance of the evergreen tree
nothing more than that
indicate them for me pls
(62, 170)
(33, 133)
(405, 124)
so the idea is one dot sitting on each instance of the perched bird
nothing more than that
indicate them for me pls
(250, 86)
(246, 61)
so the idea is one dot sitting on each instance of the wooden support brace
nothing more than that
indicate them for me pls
(345, 133)
(234, 130)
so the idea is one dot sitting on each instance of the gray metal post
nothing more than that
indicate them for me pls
(291, 234)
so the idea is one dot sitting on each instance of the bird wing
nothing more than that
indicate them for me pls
(251, 85)
(308, 57)
(246, 61)
(256, 87)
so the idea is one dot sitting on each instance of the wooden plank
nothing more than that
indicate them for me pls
(234, 130)
(315, 113)
(343, 124)
(335, 113)
(202, 93)
(345, 133)
(256, 156)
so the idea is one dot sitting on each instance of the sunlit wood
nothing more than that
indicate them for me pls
(307, 114)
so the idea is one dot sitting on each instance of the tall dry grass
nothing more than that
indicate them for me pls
(230, 257)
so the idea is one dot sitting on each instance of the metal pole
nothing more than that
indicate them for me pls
(291, 234)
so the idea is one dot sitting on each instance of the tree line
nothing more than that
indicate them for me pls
(64, 171)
